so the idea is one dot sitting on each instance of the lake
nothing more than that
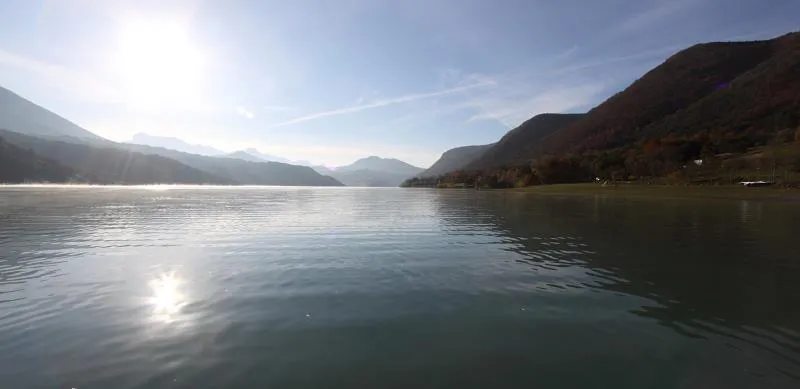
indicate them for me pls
(219, 287)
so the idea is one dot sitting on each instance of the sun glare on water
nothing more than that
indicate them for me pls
(156, 62)
(167, 298)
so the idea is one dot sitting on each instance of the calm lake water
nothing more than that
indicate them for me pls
(393, 288)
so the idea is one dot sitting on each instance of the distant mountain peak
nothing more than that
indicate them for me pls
(379, 164)
(144, 135)
(272, 158)
(245, 156)
(253, 152)
(173, 143)
(372, 171)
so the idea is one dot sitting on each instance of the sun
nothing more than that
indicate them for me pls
(156, 62)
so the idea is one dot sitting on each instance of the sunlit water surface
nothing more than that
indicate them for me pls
(181, 287)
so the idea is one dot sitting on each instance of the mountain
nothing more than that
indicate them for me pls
(20, 115)
(250, 154)
(108, 162)
(303, 173)
(733, 106)
(519, 144)
(755, 104)
(455, 159)
(375, 171)
(243, 171)
(21, 165)
(110, 165)
(387, 165)
(139, 164)
(173, 144)
(245, 156)
(324, 170)
(672, 88)
(266, 157)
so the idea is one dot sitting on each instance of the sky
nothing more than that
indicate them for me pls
(331, 81)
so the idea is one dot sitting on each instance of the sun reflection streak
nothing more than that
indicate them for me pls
(167, 299)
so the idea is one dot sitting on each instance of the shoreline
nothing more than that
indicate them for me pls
(732, 192)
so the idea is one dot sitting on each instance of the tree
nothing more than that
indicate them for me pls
(785, 136)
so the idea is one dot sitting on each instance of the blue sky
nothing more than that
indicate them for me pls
(331, 81)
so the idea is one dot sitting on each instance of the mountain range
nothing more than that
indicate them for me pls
(40, 145)
(375, 171)
(727, 104)
(267, 157)
(173, 144)
(53, 142)
(372, 171)
(112, 165)
(242, 171)
(243, 155)
(716, 102)
(382, 165)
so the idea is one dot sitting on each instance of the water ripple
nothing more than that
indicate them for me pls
(335, 287)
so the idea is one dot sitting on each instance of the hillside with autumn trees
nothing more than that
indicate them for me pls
(712, 113)
(516, 146)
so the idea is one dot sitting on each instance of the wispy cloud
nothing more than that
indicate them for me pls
(277, 108)
(653, 16)
(759, 35)
(517, 95)
(383, 103)
(514, 105)
(592, 63)
(566, 53)
(245, 112)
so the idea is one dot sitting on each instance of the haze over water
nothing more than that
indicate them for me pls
(388, 288)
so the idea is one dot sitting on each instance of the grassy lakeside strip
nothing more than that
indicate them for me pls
(666, 191)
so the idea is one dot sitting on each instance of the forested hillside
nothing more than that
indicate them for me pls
(521, 143)
(455, 159)
(241, 171)
(18, 165)
(713, 113)
(108, 165)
